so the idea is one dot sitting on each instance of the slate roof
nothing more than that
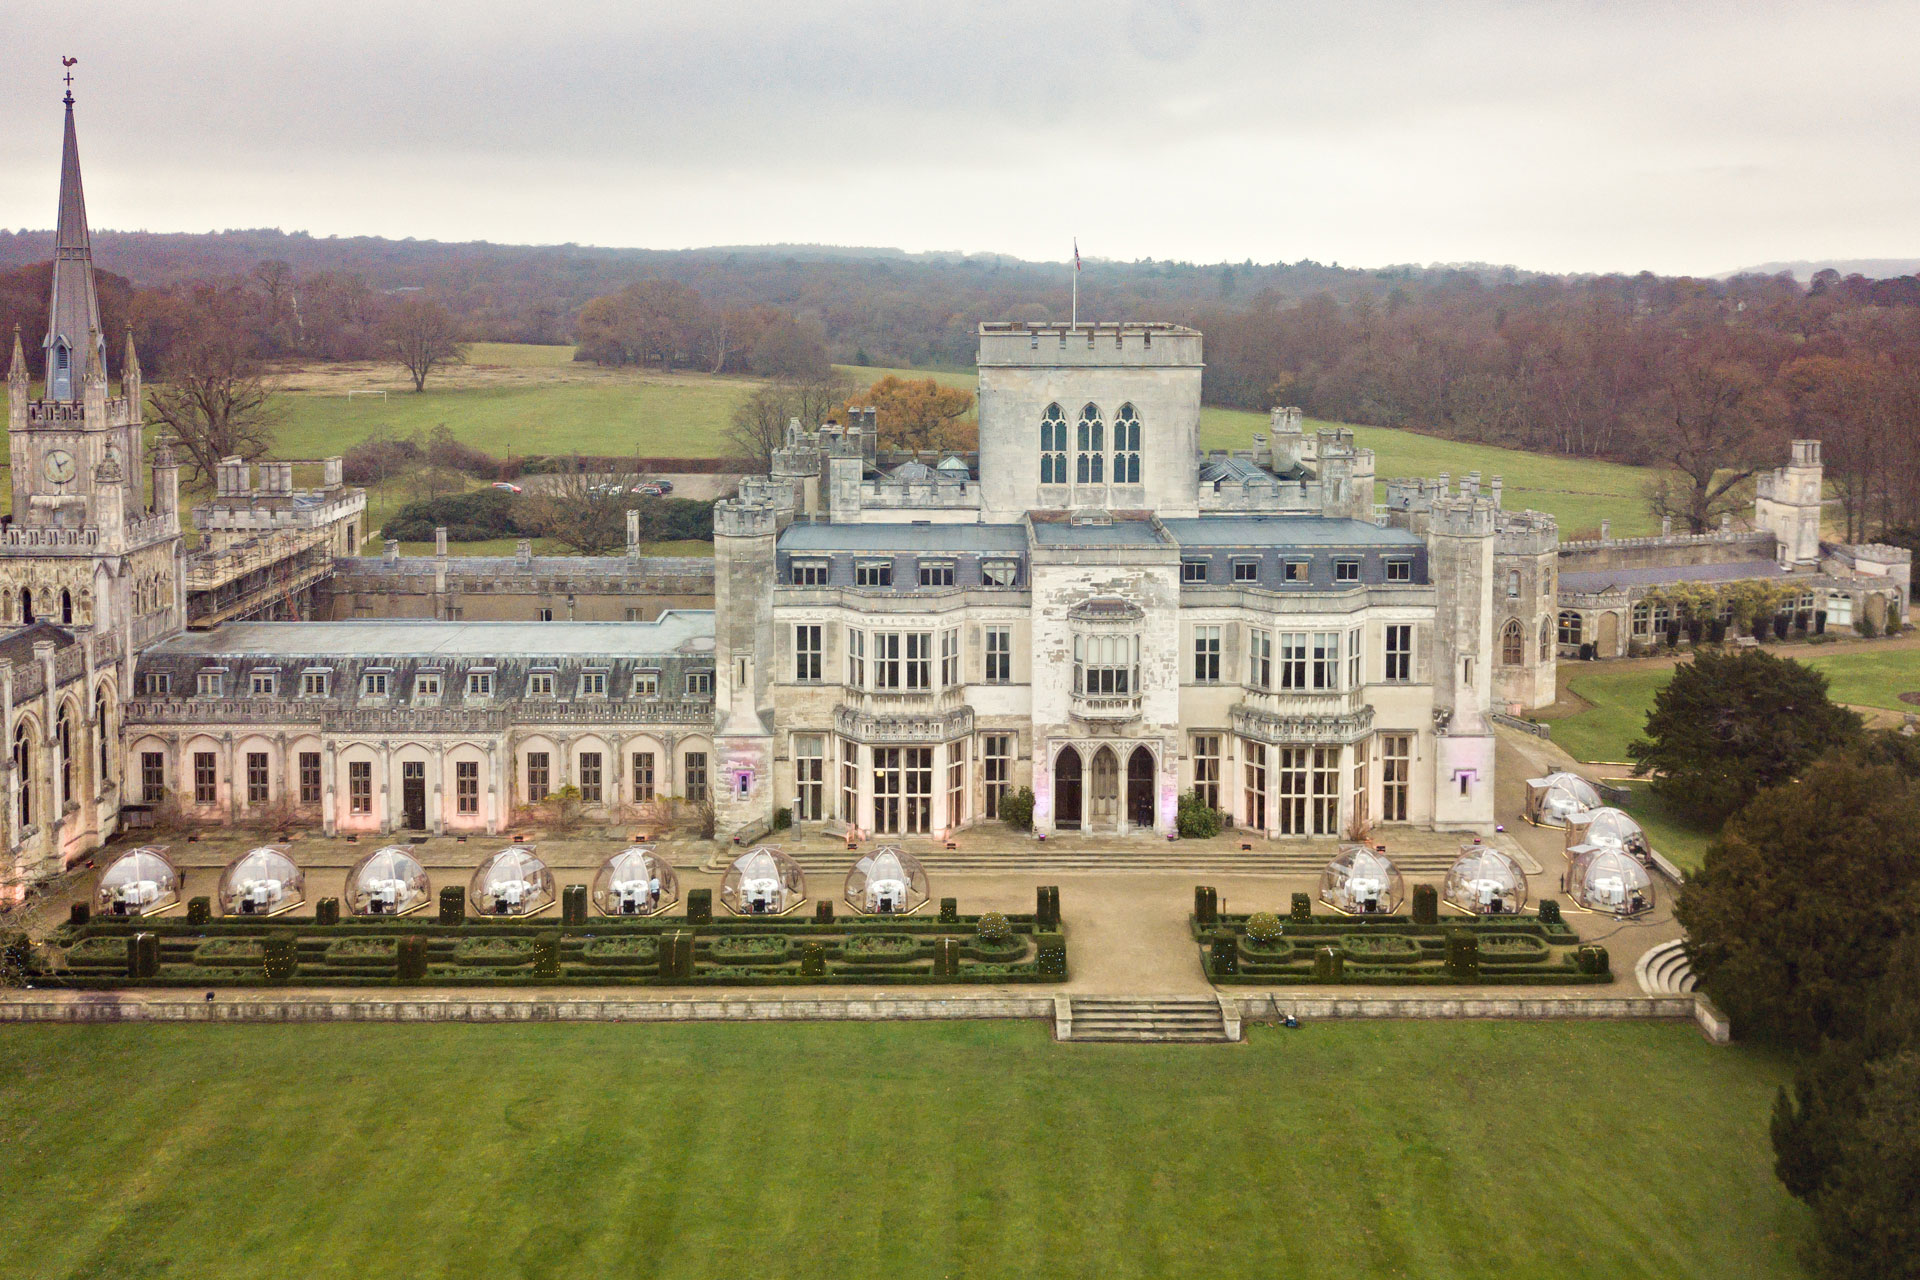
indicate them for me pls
(1594, 581)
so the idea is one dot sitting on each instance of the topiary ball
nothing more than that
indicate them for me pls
(1264, 926)
(994, 927)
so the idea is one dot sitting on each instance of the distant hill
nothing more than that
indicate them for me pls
(878, 305)
(1871, 268)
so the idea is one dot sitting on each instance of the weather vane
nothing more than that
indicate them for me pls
(68, 62)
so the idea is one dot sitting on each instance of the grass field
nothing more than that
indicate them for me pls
(1569, 1150)
(524, 399)
(1621, 696)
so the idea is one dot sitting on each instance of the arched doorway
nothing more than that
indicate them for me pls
(1066, 790)
(1608, 643)
(1140, 789)
(1103, 795)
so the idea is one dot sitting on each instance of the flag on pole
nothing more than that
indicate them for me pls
(1076, 253)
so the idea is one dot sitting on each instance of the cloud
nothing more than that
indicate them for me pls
(1559, 135)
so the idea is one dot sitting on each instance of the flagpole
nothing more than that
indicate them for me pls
(1075, 322)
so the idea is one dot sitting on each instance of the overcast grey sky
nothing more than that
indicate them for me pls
(1677, 137)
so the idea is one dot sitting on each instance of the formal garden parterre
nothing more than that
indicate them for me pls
(453, 949)
(1420, 949)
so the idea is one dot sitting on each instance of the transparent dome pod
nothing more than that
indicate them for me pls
(1485, 882)
(1362, 882)
(1558, 798)
(513, 882)
(1609, 826)
(261, 882)
(1609, 880)
(140, 882)
(635, 882)
(388, 882)
(763, 882)
(887, 882)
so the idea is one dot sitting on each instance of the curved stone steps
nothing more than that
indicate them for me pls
(1664, 970)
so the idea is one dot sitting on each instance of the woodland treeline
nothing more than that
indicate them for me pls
(1705, 379)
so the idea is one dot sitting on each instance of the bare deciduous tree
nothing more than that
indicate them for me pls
(581, 509)
(421, 335)
(759, 424)
(214, 403)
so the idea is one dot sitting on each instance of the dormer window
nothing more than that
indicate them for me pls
(1000, 573)
(593, 684)
(1399, 571)
(426, 686)
(480, 684)
(1346, 570)
(313, 684)
(540, 684)
(374, 684)
(1246, 571)
(936, 573)
(646, 684)
(873, 573)
(261, 684)
(212, 684)
(810, 573)
(156, 684)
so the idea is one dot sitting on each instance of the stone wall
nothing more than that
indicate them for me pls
(317, 1007)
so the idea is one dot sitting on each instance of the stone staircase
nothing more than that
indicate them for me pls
(1143, 1020)
(1664, 971)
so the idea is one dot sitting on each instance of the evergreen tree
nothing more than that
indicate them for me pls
(1729, 724)
(1793, 917)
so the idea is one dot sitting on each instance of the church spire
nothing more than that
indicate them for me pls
(73, 346)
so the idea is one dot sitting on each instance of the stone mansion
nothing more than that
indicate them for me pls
(1090, 607)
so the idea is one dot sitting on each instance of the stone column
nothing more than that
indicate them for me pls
(329, 779)
(437, 797)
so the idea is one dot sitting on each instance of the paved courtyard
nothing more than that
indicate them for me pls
(1126, 921)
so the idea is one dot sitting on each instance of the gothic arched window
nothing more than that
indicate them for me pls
(1513, 644)
(1569, 627)
(1513, 584)
(65, 744)
(66, 607)
(1546, 639)
(26, 605)
(1126, 446)
(23, 773)
(1053, 446)
(102, 727)
(1090, 453)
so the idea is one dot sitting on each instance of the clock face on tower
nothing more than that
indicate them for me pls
(59, 466)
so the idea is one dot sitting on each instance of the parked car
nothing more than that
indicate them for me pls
(665, 486)
(508, 486)
(650, 491)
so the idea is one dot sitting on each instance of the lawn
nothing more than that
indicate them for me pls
(516, 399)
(1569, 1149)
(1622, 695)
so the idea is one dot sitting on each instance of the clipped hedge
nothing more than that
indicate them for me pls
(1398, 951)
(453, 904)
(490, 952)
